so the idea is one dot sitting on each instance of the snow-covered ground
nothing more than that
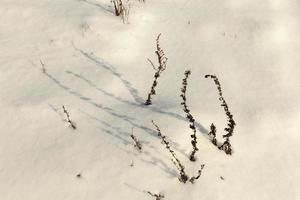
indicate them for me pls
(97, 67)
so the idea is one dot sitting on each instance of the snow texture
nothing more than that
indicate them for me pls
(97, 67)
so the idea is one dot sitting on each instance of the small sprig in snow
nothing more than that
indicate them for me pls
(162, 60)
(156, 196)
(188, 115)
(71, 123)
(192, 180)
(183, 176)
(137, 144)
(226, 146)
(122, 9)
(212, 134)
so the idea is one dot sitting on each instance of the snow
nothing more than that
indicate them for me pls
(97, 67)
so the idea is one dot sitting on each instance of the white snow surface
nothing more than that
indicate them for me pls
(97, 67)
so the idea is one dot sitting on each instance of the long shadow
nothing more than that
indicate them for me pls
(162, 165)
(100, 106)
(154, 109)
(200, 128)
(104, 65)
(110, 111)
(90, 83)
(121, 132)
(123, 137)
(99, 5)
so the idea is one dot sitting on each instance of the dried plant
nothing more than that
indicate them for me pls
(226, 146)
(72, 125)
(183, 176)
(137, 143)
(156, 196)
(125, 10)
(117, 8)
(162, 60)
(122, 9)
(212, 134)
(192, 180)
(188, 115)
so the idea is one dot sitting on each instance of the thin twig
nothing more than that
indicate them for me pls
(72, 125)
(137, 143)
(183, 176)
(156, 196)
(226, 146)
(188, 115)
(162, 60)
(192, 180)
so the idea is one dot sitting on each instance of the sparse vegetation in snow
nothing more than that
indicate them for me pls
(71, 123)
(162, 65)
(225, 146)
(189, 116)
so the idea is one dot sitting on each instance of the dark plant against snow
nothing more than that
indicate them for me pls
(192, 180)
(226, 146)
(183, 176)
(117, 6)
(71, 123)
(156, 196)
(212, 134)
(122, 9)
(162, 60)
(137, 143)
(188, 115)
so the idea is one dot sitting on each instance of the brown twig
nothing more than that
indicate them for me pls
(162, 60)
(137, 143)
(156, 196)
(192, 180)
(72, 125)
(183, 176)
(226, 146)
(212, 134)
(188, 115)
